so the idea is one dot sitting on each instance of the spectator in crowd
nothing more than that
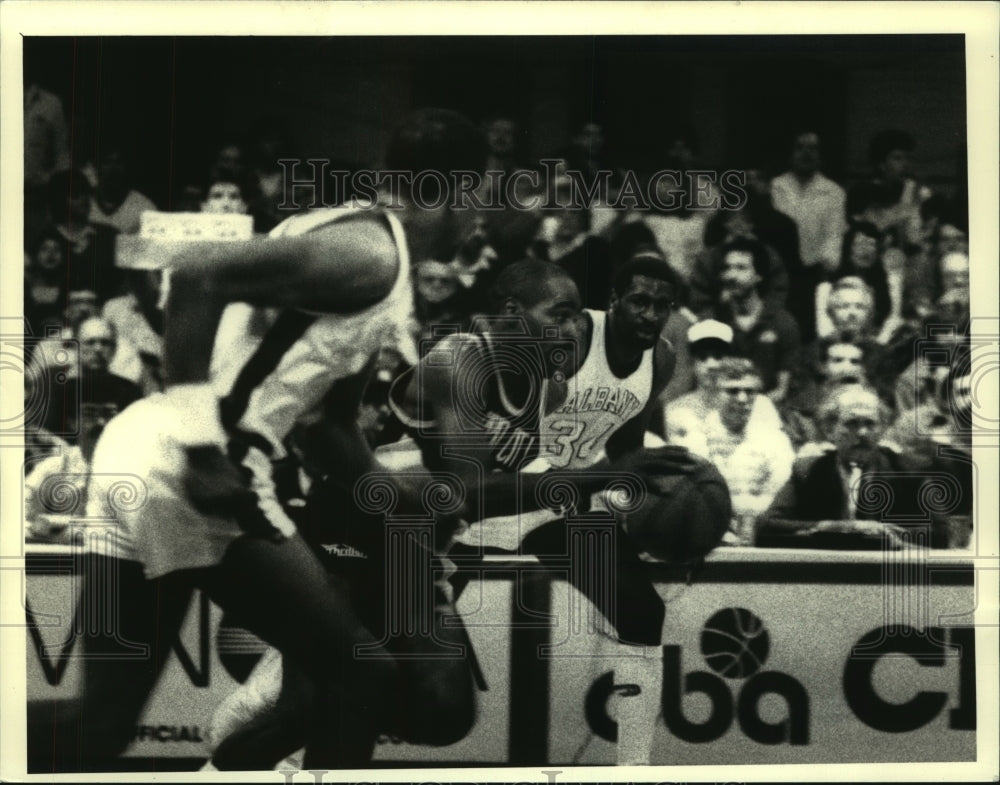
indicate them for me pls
(475, 266)
(503, 139)
(115, 203)
(510, 235)
(941, 333)
(848, 318)
(954, 273)
(950, 237)
(565, 239)
(758, 218)
(709, 343)
(39, 442)
(589, 154)
(502, 136)
(138, 322)
(45, 286)
(855, 490)
(936, 434)
(941, 236)
(271, 195)
(375, 416)
(755, 221)
(850, 309)
(946, 318)
(755, 460)
(863, 258)
(56, 355)
(96, 384)
(814, 202)
(46, 147)
(889, 154)
(693, 200)
(55, 489)
(817, 205)
(439, 299)
(228, 164)
(922, 429)
(90, 248)
(224, 196)
(188, 199)
(836, 362)
(766, 334)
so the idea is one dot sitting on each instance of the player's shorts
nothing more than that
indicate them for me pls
(137, 486)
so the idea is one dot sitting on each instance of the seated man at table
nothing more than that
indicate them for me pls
(859, 491)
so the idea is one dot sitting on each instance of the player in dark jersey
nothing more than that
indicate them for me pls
(547, 398)
(478, 403)
(209, 516)
(548, 389)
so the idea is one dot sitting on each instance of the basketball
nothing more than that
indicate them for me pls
(735, 643)
(683, 516)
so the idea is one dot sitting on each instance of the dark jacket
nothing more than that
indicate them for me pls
(891, 491)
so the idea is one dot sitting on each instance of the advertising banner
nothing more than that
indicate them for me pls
(767, 659)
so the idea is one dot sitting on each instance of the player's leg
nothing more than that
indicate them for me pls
(281, 593)
(268, 731)
(620, 590)
(400, 590)
(437, 704)
(635, 613)
(129, 627)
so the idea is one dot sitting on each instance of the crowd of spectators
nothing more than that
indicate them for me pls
(803, 303)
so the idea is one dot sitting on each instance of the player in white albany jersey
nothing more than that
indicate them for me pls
(604, 408)
(569, 393)
(206, 513)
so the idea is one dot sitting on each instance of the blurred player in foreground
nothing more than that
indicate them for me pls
(206, 513)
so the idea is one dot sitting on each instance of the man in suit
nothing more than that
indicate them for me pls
(860, 490)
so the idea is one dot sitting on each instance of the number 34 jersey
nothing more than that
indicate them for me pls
(598, 403)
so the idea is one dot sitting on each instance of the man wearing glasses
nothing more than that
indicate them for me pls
(855, 491)
(755, 461)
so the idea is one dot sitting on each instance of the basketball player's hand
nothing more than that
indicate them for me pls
(665, 460)
(895, 535)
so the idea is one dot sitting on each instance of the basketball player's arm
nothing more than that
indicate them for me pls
(343, 268)
(631, 435)
(334, 445)
(465, 453)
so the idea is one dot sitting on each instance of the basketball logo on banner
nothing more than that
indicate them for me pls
(735, 643)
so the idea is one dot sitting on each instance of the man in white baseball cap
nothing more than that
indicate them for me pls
(708, 342)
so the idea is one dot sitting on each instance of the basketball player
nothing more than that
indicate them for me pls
(551, 393)
(488, 404)
(548, 387)
(208, 515)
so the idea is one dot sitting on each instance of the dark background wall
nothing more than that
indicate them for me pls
(170, 103)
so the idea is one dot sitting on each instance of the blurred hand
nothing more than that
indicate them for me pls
(668, 459)
(894, 534)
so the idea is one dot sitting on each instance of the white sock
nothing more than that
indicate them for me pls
(637, 713)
